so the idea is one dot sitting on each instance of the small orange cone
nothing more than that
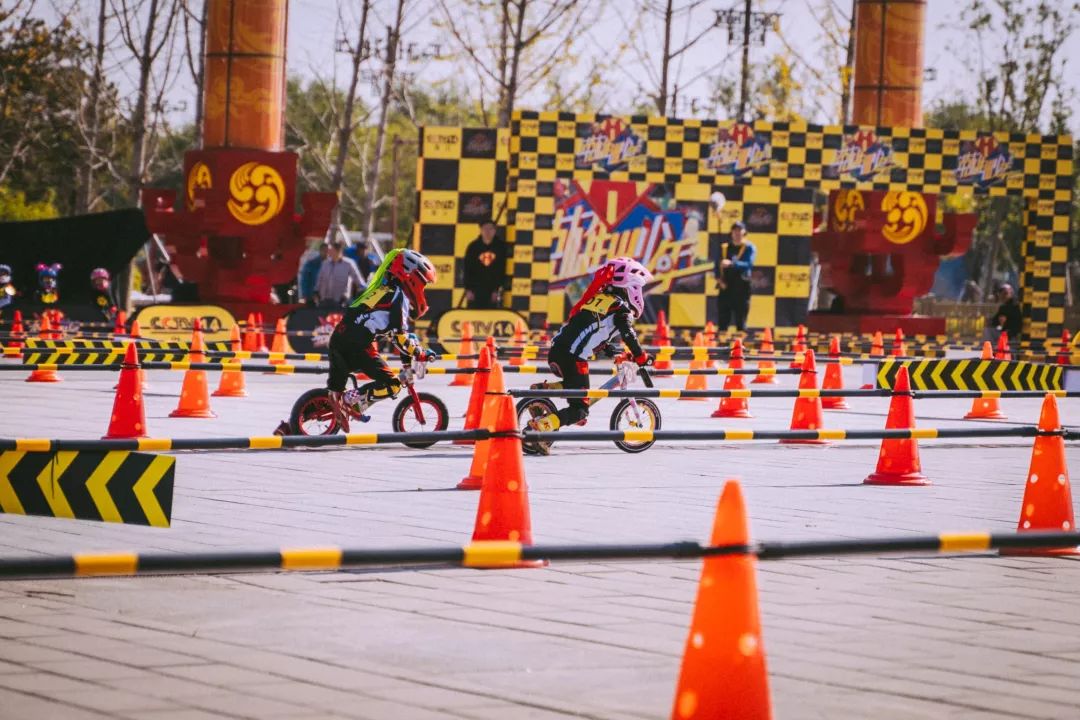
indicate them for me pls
(766, 349)
(696, 382)
(250, 339)
(466, 348)
(128, 418)
(194, 394)
(482, 448)
(120, 325)
(18, 332)
(799, 346)
(1048, 504)
(480, 384)
(260, 335)
(877, 345)
(734, 407)
(518, 341)
(834, 378)
(898, 461)
(47, 375)
(231, 383)
(503, 511)
(1062, 356)
(986, 408)
(710, 334)
(899, 347)
(280, 342)
(724, 673)
(662, 339)
(1003, 352)
(806, 414)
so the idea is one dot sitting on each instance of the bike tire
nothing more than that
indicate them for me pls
(302, 408)
(524, 415)
(442, 417)
(649, 408)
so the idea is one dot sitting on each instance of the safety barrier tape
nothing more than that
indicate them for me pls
(277, 442)
(822, 393)
(489, 554)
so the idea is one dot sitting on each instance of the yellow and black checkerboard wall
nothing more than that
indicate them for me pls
(541, 148)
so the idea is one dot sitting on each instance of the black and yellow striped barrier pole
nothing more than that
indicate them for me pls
(508, 554)
(150, 352)
(277, 442)
(796, 393)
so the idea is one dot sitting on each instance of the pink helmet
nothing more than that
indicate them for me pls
(629, 274)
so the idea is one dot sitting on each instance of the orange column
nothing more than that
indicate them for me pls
(889, 62)
(244, 96)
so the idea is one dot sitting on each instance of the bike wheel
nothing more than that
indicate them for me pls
(405, 419)
(647, 417)
(528, 409)
(313, 414)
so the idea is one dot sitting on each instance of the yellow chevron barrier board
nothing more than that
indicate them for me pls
(973, 374)
(118, 486)
(108, 352)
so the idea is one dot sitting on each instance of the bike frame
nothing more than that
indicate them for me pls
(407, 376)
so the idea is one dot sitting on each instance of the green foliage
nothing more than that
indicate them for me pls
(14, 206)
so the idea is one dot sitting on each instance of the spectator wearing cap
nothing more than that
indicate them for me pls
(1008, 317)
(485, 269)
(339, 278)
(733, 267)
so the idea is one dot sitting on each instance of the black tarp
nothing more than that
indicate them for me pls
(79, 243)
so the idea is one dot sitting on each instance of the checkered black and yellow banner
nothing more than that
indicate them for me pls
(642, 174)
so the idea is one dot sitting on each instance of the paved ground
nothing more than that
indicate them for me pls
(888, 637)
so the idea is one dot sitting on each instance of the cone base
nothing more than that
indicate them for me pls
(122, 436)
(731, 414)
(693, 399)
(471, 482)
(1036, 552)
(986, 416)
(192, 414)
(842, 405)
(867, 386)
(43, 379)
(229, 393)
(896, 479)
(462, 380)
(764, 380)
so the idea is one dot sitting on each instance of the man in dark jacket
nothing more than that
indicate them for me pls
(733, 268)
(1008, 317)
(485, 269)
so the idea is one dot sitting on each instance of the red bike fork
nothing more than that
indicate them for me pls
(417, 407)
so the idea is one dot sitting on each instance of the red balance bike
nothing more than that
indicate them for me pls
(313, 412)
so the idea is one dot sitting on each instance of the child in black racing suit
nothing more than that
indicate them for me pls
(381, 311)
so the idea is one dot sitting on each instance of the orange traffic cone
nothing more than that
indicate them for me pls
(806, 414)
(128, 418)
(662, 339)
(1062, 356)
(724, 672)
(1003, 352)
(834, 378)
(231, 383)
(250, 340)
(18, 332)
(260, 335)
(481, 382)
(489, 414)
(518, 341)
(986, 408)
(280, 342)
(898, 461)
(503, 511)
(136, 335)
(120, 324)
(766, 349)
(734, 407)
(194, 394)
(899, 346)
(799, 346)
(696, 382)
(1048, 504)
(466, 348)
(47, 375)
(710, 334)
(877, 345)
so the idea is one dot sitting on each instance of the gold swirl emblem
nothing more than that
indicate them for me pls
(256, 193)
(198, 177)
(848, 204)
(905, 216)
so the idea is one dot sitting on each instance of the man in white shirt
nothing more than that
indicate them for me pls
(339, 278)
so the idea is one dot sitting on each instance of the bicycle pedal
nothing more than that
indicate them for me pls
(363, 418)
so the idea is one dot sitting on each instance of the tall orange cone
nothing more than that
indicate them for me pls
(280, 341)
(466, 348)
(806, 414)
(194, 394)
(662, 339)
(128, 418)
(481, 382)
(1003, 351)
(502, 515)
(518, 341)
(987, 408)
(46, 375)
(898, 461)
(834, 378)
(1062, 356)
(260, 335)
(18, 332)
(734, 407)
(724, 673)
(765, 349)
(231, 383)
(136, 334)
(120, 325)
(877, 345)
(899, 347)
(799, 346)
(1048, 504)
(489, 414)
(697, 382)
(250, 339)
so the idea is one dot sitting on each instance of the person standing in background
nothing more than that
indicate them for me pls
(485, 269)
(339, 278)
(733, 267)
(309, 275)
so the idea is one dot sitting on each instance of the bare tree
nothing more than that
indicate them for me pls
(195, 55)
(347, 125)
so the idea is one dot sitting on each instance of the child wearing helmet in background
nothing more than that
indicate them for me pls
(395, 292)
(104, 300)
(604, 314)
(7, 289)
